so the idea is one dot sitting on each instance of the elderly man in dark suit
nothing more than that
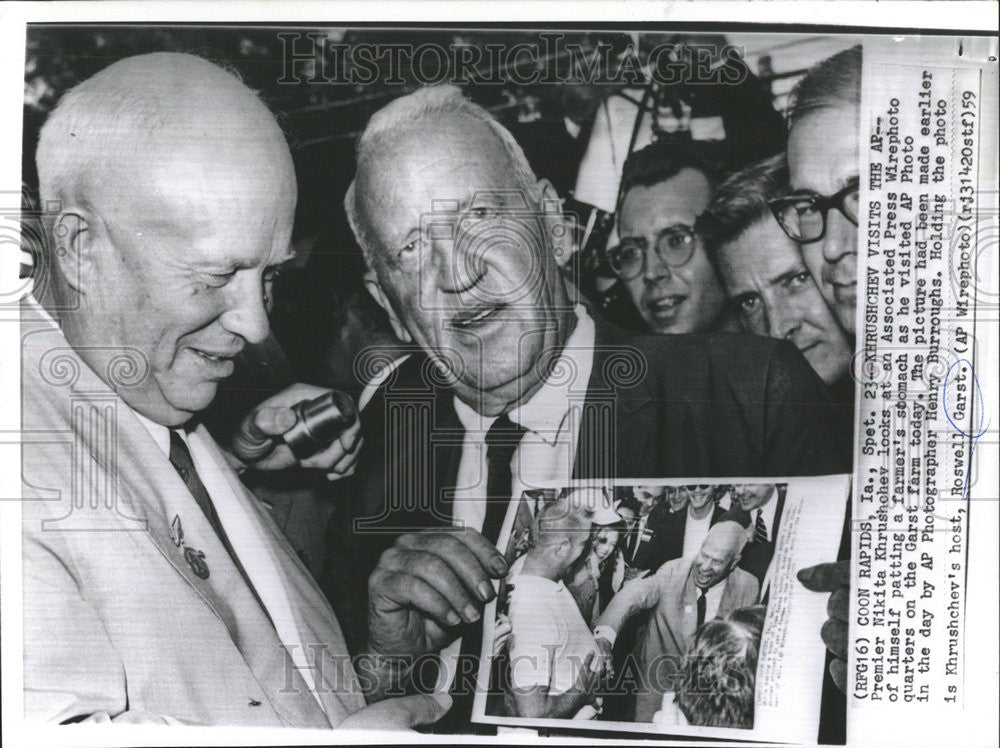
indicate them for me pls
(512, 385)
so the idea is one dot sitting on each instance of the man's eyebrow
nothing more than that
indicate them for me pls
(786, 275)
(853, 181)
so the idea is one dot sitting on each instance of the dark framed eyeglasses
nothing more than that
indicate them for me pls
(674, 246)
(803, 217)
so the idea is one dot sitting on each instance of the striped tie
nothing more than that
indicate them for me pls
(759, 528)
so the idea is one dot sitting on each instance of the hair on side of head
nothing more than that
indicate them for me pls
(833, 82)
(662, 160)
(741, 201)
(719, 676)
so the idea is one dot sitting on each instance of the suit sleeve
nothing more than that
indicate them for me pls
(800, 420)
(72, 672)
(634, 597)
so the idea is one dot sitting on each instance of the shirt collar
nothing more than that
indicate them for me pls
(36, 306)
(547, 411)
(536, 581)
(159, 432)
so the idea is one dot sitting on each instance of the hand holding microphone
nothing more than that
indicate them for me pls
(302, 425)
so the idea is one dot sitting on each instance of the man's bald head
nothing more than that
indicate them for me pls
(719, 554)
(175, 195)
(727, 536)
(136, 114)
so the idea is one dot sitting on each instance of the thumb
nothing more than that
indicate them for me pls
(826, 577)
(426, 709)
(403, 713)
(274, 421)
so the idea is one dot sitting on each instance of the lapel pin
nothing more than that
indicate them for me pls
(196, 560)
(177, 531)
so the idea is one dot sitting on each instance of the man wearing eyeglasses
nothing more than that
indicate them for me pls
(821, 213)
(766, 279)
(659, 260)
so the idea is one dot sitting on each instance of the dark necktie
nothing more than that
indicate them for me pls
(501, 442)
(180, 458)
(701, 607)
(760, 528)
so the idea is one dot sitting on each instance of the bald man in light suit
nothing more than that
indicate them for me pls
(156, 587)
(683, 594)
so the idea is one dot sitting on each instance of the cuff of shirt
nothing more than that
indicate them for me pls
(605, 632)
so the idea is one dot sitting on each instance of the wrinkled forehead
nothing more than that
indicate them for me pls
(433, 161)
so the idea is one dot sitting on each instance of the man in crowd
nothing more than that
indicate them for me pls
(647, 544)
(821, 213)
(702, 512)
(513, 385)
(156, 587)
(758, 506)
(765, 277)
(552, 650)
(684, 594)
(659, 258)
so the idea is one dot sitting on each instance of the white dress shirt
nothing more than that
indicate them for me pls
(552, 419)
(546, 453)
(695, 531)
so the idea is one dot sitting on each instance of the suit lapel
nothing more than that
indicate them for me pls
(688, 613)
(150, 498)
(166, 498)
(615, 425)
(318, 629)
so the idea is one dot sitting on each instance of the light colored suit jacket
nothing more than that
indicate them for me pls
(117, 624)
(671, 593)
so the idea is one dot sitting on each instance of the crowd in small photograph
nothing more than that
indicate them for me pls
(636, 604)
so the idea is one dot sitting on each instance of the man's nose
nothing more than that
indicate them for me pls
(246, 315)
(841, 237)
(656, 268)
(459, 263)
(782, 322)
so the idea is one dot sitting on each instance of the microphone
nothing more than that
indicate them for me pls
(318, 423)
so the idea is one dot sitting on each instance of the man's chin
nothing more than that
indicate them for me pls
(193, 399)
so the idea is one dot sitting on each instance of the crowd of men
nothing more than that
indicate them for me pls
(158, 588)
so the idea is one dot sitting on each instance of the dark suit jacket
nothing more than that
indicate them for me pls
(653, 544)
(756, 556)
(665, 539)
(656, 406)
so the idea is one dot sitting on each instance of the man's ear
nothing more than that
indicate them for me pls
(72, 250)
(559, 228)
(375, 289)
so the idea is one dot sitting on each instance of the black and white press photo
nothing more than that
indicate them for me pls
(646, 608)
(477, 378)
